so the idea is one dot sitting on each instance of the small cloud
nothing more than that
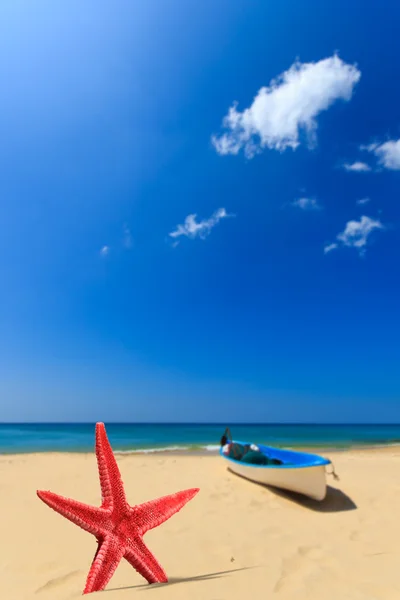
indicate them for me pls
(105, 251)
(355, 235)
(363, 201)
(388, 154)
(192, 229)
(307, 204)
(357, 167)
(288, 106)
(127, 240)
(329, 248)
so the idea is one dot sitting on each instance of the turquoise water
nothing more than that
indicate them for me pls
(17, 438)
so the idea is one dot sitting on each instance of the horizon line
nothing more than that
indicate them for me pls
(219, 424)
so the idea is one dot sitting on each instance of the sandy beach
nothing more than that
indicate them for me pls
(235, 540)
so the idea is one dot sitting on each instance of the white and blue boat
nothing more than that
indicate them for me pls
(298, 472)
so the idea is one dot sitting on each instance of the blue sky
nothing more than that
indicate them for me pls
(279, 300)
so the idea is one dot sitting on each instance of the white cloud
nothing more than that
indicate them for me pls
(192, 229)
(105, 250)
(307, 204)
(388, 153)
(329, 248)
(355, 234)
(289, 105)
(358, 167)
(363, 201)
(127, 241)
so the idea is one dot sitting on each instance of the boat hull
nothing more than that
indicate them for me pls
(300, 472)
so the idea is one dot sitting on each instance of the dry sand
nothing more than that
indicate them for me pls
(235, 540)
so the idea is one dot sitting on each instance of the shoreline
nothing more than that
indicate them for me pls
(320, 450)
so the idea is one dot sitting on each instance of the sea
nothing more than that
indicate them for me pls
(175, 437)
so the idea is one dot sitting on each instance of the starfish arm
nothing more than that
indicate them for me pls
(141, 559)
(106, 560)
(153, 513)
(86, 517)
(112, 488)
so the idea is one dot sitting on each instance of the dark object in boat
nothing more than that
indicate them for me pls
(246, 452)
(256, 457)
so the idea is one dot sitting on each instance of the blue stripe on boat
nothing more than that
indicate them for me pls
(291, 458)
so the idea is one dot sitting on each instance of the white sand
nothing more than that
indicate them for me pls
(234, 540)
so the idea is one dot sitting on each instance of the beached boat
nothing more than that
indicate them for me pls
(299, 472)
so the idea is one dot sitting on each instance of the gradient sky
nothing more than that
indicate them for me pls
(112, 134)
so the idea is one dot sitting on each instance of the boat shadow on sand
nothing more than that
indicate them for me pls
(335, 500)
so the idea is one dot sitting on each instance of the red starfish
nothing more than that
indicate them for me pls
(118, 527)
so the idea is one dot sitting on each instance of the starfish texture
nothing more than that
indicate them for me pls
(118, 527)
